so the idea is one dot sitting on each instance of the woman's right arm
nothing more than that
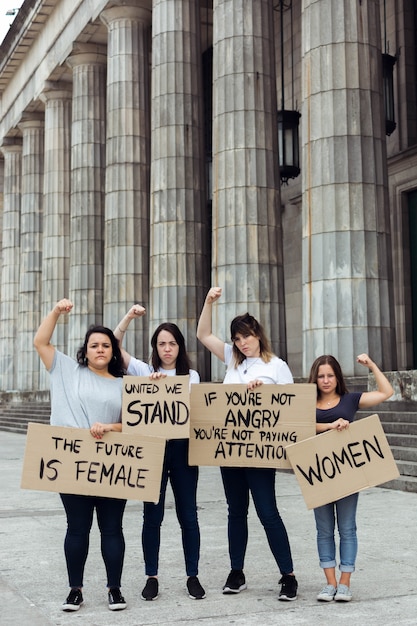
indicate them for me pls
(42, 339)
(119, 332)
(204, 330)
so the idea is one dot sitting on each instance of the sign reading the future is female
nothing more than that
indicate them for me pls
(71, 460)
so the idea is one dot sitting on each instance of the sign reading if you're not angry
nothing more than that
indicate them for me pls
(70, 460)
(232, 426)
(157, 408)
(336, 464)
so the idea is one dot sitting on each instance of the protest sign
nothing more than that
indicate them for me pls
(335, 464)
(236, 427)
(70, 460)
(157, 408)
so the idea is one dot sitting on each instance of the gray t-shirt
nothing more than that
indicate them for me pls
(79, 398)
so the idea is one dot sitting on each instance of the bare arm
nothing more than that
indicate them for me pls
(42, 339)
(204, 327)
(119, 332)
(384, 388)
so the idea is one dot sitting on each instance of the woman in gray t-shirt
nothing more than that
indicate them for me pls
(87, 393)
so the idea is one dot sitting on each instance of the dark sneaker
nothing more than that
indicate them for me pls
(150, 590)
(195, 590)
(116, 600)
(235, 582)
(289, 588)
(74, 600)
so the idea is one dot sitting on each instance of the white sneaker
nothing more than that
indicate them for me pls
(327, 594)
(343, 594)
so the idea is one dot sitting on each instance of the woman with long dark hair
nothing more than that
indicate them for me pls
(87, 393)
(168, 358)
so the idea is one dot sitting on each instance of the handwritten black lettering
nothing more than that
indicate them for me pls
(257, 418)
(73, 445)
(49, 465)
(164, 412)
(332, 465)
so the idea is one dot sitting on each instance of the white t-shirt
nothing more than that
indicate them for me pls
(140, 368)
(274, 372)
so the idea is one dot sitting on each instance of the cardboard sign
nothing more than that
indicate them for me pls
(232, 426)
(157, 408)
(335, 464)
(70, 460)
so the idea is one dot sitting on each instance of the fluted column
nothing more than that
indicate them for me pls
(56, 204)
(347, 274)
(247, 231)
(9, 304)
(178, 208)
(88, 63)
(29, 316)
(126, 257)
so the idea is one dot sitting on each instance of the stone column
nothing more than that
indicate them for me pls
(126, 257)
(88, 63)
(178, 202)
(247, 232)
(347, 274)
(56, 203)
(9, 305)
(29, 316)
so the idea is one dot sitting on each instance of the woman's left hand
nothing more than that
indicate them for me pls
(157, 375)
(255, 383)
(98, 429)
(364, 359)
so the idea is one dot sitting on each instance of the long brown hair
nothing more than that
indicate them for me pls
(247, 325)
(328, 359)
(183, 363)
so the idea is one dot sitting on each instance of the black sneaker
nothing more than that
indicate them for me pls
(74, 600)
(116, 600)
(195, 590)
(289, 586)
(150, 590)
(235, 582)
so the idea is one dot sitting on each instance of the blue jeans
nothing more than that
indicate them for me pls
(80, 511)
(183, 479)
(237, 482)
(344, 511)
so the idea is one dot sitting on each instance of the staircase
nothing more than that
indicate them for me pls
(399, 421)
(16, 410)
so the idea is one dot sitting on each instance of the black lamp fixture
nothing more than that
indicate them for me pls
(288, 119)
(388, 62)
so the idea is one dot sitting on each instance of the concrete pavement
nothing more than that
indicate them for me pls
(34, 581)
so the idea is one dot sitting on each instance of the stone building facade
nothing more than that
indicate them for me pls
(139, 163)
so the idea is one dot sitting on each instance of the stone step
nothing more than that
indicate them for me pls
(402, 453)
(403, 483)
(408, 441)
(400, 428)
(407, 468)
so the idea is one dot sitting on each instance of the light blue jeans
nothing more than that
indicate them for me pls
(344, 512)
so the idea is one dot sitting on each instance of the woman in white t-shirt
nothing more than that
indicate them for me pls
(250, 361)
(169, 358)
